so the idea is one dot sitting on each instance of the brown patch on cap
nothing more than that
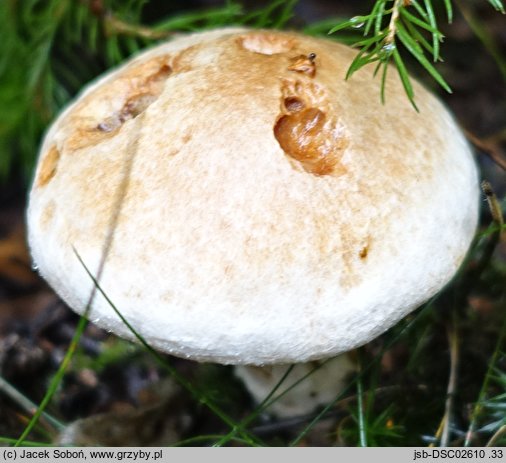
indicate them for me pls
(47, 214)
(145, 93)
(184, 60)
(304, 64)
(293, 104)
(364, 252)
(83, 137)
(266, 43)
(307, 131)
(308, 138)
(142, 92)
(48, 166)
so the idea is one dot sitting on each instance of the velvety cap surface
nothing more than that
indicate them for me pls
(262, 209)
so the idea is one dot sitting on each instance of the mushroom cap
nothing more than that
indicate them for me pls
(251, 206)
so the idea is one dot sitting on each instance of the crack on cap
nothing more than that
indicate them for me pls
(146, 93)
(129, 95)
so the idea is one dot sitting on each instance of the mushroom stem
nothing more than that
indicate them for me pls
(307, 385)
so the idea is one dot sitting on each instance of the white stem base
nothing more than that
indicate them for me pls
(318, 389)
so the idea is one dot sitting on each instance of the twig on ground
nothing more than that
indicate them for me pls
(113, 25)
(453, 341)
(116, 26)
(489, 146)
(442, 433)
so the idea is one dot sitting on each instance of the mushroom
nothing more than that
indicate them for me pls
(258, 209)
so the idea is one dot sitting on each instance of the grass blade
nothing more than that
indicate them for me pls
(199, 395)
(56, 379)
(419, 316)
(360, 406)
(488, 40)
(27, 404)
(259, 409)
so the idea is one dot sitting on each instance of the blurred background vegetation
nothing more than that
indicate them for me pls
(437, 378)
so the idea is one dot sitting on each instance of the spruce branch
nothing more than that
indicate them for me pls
(409, 25)
(63, 44)
(392, 25)
(52, 48)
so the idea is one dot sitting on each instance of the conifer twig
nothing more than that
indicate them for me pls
(408, 24)
(487, 146)
(114, 25)
(452, 381)
(392, 28)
